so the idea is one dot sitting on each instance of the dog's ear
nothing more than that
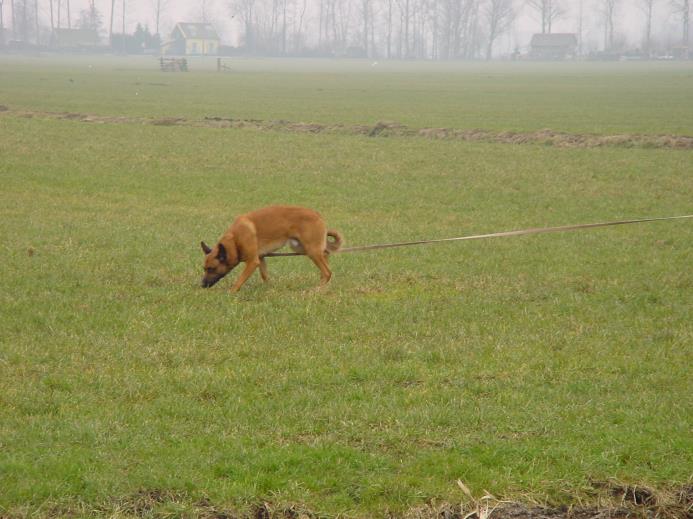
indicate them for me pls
(205, 248)
(222, 256)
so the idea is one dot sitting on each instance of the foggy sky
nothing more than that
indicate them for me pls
(629, 22)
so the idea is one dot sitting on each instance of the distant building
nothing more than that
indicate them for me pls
(193, 39)
(74, 38)
(680, 52)
(556, 46)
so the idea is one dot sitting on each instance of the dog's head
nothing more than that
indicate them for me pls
(219, 261)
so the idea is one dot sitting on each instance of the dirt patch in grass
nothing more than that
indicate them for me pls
(546, 137)
(613, 500)
(167, 121)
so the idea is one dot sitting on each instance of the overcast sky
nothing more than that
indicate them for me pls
(630, 20)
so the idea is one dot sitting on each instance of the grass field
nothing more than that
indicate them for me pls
(594, 98)
(533, 368)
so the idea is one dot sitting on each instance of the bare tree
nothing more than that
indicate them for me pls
(205, 7)
(450, 17)
(110, 25)
(435, 26)
(405, 12)
(683, 9)
(470, 35)
(581, 18)
(159, 6)
(342, 22)
(388, 37)
(499, 15)
(90, 18)
(266, 23)
(23, 19)
(271, 26)
(327, 9)
(333, 22)
(298, 29)
(199, 10)
(425, 29)
(321, 24)
(609, 12)
(549, 11)
(2, 26)
(50, 5)
(647, 7)
(122, 39)
(458, 27)
(366, 15)
(244, 9)
(37, 29)
(284, 27)
(413, 33)
(373, 17)
(422, 29)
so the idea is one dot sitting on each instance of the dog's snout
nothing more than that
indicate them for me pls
(211, 278)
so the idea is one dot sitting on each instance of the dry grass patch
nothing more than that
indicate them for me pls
(546, 137)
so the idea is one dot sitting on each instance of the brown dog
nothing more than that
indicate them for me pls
(255, 234)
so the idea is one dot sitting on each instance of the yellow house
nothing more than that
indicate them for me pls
(193, 39)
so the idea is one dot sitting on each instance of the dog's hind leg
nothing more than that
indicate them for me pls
(263, 269)
(320, 259)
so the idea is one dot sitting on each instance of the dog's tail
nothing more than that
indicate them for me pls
(336, 242)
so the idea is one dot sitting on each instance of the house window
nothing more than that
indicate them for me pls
(194, 47)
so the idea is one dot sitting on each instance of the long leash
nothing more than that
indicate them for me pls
(536, 230)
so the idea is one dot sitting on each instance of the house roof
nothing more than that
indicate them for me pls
(205, 31)
(554, 40)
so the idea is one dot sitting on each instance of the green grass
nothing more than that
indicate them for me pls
(601, 98)
(525, 366)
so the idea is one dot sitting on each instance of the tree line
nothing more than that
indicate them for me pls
(380, 29)
(431, 29)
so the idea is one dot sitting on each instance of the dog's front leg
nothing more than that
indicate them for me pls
(250, 267)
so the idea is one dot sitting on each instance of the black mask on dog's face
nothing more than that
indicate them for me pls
(218, 263)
